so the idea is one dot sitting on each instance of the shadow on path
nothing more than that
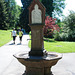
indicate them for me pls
(19, 44)
(11, 44)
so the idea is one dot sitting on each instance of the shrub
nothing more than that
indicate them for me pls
(57, 36)
(50, 26)
(63, 37)
(69, 26)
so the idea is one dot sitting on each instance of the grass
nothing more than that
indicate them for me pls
(58, 46)
(5, 37)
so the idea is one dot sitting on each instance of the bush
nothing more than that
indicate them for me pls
(63, 37)
(57, 36)
(50, 26)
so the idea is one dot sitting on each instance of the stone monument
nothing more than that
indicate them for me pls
(37, 61)
(36, 15)
(36, 22)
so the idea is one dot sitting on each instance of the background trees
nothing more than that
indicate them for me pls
(9, 14)
(3, 15)
(58, 5)
(69, 27)
(24, 17)
(13, 11)
(54, 8)
(49, 6)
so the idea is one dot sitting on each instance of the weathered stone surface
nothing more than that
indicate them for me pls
(37, 61)
(38, 65)
(40, 19)
(36, 15)
(37, 44)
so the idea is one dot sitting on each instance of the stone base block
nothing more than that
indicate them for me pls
(37, 65)
(34, 71)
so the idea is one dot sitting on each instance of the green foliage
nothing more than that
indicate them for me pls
(54, 7)
(24, 17)
(67, 32)
(3, 15)
(17, 15)
(57, 36)
(5, 37)
(49, 6)
(60, 36)
(24, 20)
(60, 24)
(9, 14)
(59, 5)
(69, 26)
(13, 12)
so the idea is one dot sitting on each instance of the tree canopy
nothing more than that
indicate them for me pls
(9, 14)
(54, 7)
(59, 5)
(3, 15)
(69, 26)
(13, 11)
(24, 17)
(49, 6)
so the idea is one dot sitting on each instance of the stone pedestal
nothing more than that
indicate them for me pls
(36, 23)
(37, 44)
(38, 65)
(37, 61)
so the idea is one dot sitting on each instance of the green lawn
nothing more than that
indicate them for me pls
(5, 37)
(58, 46)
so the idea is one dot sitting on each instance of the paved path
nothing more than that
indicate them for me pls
(65, 66)
(9, 65)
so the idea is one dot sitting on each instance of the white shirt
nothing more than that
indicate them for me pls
(13, 33)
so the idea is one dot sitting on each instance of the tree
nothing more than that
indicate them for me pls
(50, 27)
(3, 15)
(24, 17)
(54, 7)
(59, 5)
(49, 6)
(13, 12)
(69, 26)
(18, 13)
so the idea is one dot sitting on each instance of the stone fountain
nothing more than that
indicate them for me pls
(38, 61)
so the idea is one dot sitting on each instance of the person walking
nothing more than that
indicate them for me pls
(14, 34)
(20, 35)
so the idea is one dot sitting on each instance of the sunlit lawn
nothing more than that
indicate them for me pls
(58, 46)
(5, 37)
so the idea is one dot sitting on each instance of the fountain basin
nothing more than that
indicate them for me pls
(38, 65)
